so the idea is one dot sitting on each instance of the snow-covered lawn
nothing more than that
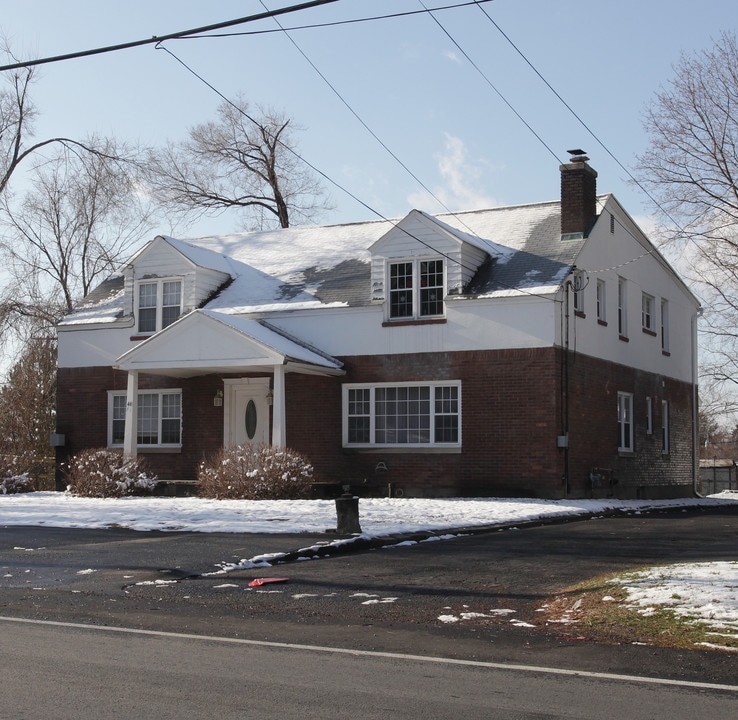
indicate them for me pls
(696, 590)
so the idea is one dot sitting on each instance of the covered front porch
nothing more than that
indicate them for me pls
(252, 357)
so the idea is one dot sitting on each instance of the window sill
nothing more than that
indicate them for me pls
(602, 322)
(395, 450)
(624, 338)
(626, 453)
(648, 331)
(136, 338)
(666, 353)
(403, 323)
(152, 450)
(580, 314)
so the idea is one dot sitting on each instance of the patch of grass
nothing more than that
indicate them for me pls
(599, 608)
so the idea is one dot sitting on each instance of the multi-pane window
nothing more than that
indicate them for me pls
(171, 301)
(409, 414)
(601, 306)
(647, 318)
(159, 418)
(401, 290)
(431, 287)
(622, 308)
(159, 304)
(416, 289)
(625, 422)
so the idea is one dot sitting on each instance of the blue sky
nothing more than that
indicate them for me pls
(403, 77)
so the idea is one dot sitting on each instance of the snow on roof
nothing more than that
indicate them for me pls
(324, 266)
(277, 341)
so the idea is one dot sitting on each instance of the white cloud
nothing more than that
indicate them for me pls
(461, 182)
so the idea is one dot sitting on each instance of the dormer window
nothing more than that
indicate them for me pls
(159, 304)
(416, 289)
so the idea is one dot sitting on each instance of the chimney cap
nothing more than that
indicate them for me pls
(578, 155)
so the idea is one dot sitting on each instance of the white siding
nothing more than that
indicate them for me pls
(608, 256)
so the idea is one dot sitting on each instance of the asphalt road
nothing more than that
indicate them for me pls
(388, 600)
(78, 673)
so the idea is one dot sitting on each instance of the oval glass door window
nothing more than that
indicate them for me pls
(250, 420)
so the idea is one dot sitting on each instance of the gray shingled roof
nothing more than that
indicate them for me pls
(331, 264)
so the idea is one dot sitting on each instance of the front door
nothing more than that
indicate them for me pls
(246, 411)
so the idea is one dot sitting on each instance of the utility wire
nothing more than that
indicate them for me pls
(171, 36)
(373, 18)
(580, 120)
(489, 82)
(343, 100)
(335, 183)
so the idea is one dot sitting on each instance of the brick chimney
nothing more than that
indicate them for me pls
(578, 195)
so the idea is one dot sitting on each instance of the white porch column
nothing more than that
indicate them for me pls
(130, 450)
(279, 430)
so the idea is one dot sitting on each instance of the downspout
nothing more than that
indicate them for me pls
(565, 389)
(695, 434)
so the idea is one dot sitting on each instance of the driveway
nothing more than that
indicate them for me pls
(396, 599)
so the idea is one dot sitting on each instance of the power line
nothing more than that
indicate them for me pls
(343, 100)
(171, 36)
(489, 82)
(365, 205)
(581, 121)
(335, 23)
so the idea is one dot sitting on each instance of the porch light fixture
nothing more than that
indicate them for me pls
(218, 398)
(270, 397)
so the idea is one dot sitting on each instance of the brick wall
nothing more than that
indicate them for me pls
(646, 472)
(513, 411)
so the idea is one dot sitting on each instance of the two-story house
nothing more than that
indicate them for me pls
(544, 349)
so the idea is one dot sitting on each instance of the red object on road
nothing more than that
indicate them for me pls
(265, 581)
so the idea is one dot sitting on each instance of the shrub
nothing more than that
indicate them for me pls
(105, 473)
(13, 477)
(255, 472)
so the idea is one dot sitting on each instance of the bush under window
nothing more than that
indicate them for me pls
(255, 472)
(105, 473)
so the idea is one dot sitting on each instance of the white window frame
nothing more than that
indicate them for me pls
(415, 289)
(665, 445)
(602, 301)
(648, 304)
(664, 325)
(622, 307)
(159, 308)
(113, 394)
(435, 412)
(625, 422)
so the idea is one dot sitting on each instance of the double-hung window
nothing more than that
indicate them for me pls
(159, 418)
(622, 308)
(578, 283)
(601, 301)
(159, 304)
(665, 427)
(416, 289)
(647, 313)
(625, 422)
(407, 414)
(665, 326)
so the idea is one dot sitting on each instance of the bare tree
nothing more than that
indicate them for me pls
(17, 116)
(27, 403)
(242, 160)
(691, 168)
(81, 218)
